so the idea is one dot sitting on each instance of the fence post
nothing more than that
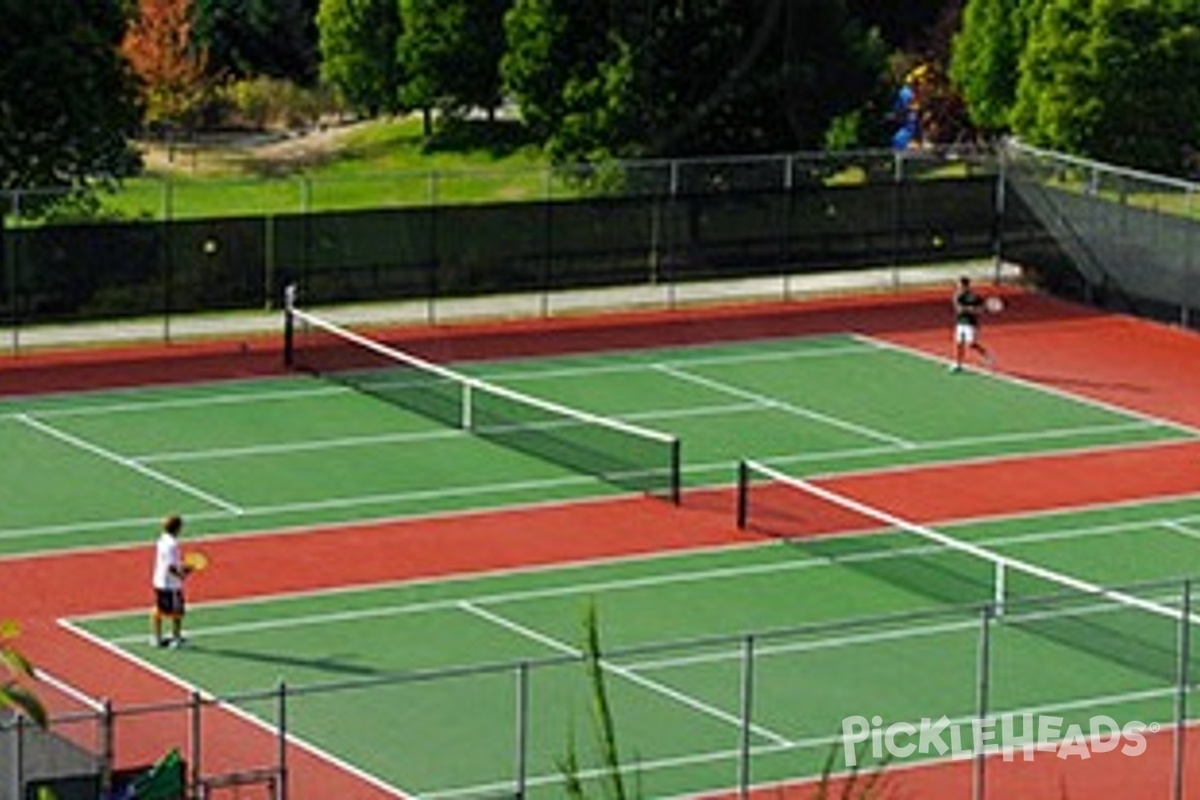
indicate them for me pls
(1181, 693)
(108, 749)
(983, 688)
(12, 264)
(196, 709)
(522, 754)
(18, 784)
(998, 213)
(747, 713)
(281, 788)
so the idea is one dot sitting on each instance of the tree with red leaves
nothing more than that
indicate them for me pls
(172, 68)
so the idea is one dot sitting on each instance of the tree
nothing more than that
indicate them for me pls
(904, 26)
(254, 38)
(13, 694)
(986, 55)
(68, 101)
(358, 50)
(450, 54)
(1117, 80)
(630, 78)
(550, 44)
(173, 69)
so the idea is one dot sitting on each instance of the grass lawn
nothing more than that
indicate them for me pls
(374, 164)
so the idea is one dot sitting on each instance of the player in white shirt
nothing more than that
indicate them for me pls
(169, 574)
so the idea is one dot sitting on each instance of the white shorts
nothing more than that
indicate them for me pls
(965, 334)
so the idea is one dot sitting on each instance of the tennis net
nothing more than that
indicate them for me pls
(628, 456)
(1132, 624)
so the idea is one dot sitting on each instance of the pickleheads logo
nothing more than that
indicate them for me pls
(1004, 734)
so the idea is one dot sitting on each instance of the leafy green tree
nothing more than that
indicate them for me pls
(13, 694)
(1117, 80)
(986, 55)
(358, 51)
(450, 54)
(630, 78)
(253, 38)
(551, 44)
(902, 25)
(68, 101)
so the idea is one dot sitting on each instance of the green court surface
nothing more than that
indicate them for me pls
(685, 678)
(262, 455)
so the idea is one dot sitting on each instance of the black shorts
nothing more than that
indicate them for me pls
(169, 602)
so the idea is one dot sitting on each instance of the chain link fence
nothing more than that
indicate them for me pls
(1113, 237)
(415, 237)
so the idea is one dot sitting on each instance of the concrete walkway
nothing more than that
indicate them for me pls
(232, 325)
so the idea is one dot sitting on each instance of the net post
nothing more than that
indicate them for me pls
(289, 326)
(676, 468)
(467, 418)
(743, 491)
(1000, 591)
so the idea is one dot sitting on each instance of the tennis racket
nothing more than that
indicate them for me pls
(994, 305)
(195, 561)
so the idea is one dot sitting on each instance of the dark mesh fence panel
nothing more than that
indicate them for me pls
(89, 271)
(641, 225)
(607, 241)
(359, 255)
(216, 264)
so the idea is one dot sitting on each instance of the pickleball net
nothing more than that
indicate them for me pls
(1146, 626)
(625, 455)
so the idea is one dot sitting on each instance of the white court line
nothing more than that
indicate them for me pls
(1180, 527)
(70, 690)
(285, 448)
(772, 403)
(128, 463)
(213, 399)
(486, 490)
(304, 446)
(1042, 388)
(681, 363)
(622, 672)
(592, 587)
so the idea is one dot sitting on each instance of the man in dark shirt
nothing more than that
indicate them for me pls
(968, 306)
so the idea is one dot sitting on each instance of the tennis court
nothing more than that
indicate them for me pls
(679, 705)
(727, 664)
(261, 455)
